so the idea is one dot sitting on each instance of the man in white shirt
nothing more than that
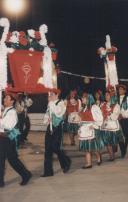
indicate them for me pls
(54, 134)
(8, 151)
(22, 105)
(123, 118)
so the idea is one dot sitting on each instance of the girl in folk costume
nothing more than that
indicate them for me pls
(91, 120)
(73, 105)
(110, 128)
(98, 96)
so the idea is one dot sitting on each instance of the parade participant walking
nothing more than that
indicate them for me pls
(123, 118)
(114, 99)
(73, 107)
(54, 134)
(8, 150)
(91, 120)
(22, 105)
(111, 131)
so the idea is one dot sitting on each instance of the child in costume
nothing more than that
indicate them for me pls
(111, 131)
(73, 105)
(89, 139)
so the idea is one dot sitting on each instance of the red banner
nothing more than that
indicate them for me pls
(25, 72)
(25, 68)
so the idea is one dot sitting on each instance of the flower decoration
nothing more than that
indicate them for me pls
(32, 40)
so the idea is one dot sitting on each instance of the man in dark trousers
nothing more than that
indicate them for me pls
(123, 118)
(8, 150)
(54, 134)
(22, 104)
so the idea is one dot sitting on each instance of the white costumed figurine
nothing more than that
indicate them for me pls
(47, 65)
(49, 78)
(110, 64)
(4, 50)
(15, 37)
(47, 68)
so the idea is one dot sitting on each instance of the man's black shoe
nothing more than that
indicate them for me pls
(111, 159)
(2, 184)
(87, 167)
(123, 153)
(26, 179)
(44, 175)
(66, 169)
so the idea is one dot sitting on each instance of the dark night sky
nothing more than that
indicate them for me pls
(78, 28)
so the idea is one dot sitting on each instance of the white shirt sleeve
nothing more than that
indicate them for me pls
(59, 109)
(124, 113)
(97, 116)
(115, 114)
(79, 108)
(65, 102)
(9, 121)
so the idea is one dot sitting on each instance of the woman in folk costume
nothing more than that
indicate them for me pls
(98, 96)
(73, 107)
(110, 129)
(89, 139)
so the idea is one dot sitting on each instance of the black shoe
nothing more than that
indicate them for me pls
(123, 156)
(99, 162)
(26, 179)
(66, 169)
(73, 144)
(46, 175)
(86, 167)
(111, 159)
(123, 153)
(2, 184)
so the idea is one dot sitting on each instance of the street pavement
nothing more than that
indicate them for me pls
(105, 183)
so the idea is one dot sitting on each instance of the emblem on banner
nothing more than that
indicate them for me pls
(27, 72)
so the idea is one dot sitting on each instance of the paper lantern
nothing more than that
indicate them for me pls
(86, 80)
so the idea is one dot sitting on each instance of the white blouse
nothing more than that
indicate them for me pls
(9, 119)
(58, 109)
(97, 116)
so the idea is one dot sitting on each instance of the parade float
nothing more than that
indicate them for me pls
(29, 59)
